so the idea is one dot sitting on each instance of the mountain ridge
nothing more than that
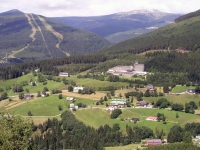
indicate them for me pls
(113, 26)
(43, 38)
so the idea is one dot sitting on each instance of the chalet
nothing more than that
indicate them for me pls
(150, 87)
(143, 103)
(135, 120)
(70, 99)
(152, 118)
(28, 96)
(64, 74)
(76, 89)
(43, 94)
(72, 106)
(153, 142)
(191, 91)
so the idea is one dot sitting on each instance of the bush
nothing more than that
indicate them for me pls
(115, 113)
(29, 113)
(60, 107)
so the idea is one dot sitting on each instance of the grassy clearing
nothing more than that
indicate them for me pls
(179, 88)
(182, 99)
(47, 106)
(33, 89)
(96, 83)
(127, 147)
(98, 117)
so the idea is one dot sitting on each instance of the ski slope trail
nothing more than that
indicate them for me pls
(55, 33)
(40, 30)
(32, 36)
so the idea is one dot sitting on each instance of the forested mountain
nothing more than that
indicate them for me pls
(121, 26)
(183, 36)
(187, 16)
(32, 37)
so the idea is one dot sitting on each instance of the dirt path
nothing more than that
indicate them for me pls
(55, 33)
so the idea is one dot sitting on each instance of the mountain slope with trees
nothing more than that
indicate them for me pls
(121, 26)
(32, 37)
(183, 35)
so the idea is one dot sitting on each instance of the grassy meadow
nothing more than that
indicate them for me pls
(96, 117)
(181, 99)
(47, 106)
(179, 88)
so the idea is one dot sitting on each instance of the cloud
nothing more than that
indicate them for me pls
(51, 8)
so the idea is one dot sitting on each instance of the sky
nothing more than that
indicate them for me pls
(61, 8)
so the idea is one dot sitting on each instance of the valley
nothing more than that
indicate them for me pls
(73, 89)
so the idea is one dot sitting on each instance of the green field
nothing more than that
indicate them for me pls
(47, 106)
(97, 117)
(127, 147)
(33, 89)
(96, 83)
(184, 98)
(179, 88)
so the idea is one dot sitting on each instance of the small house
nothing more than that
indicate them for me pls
(70, 99)
(43, 94)
(143, 103)
(191, 91)
(64, 74)
(76, 89)
(153, 142)
(135, 120)
(152, 118)
(28, 96)
(150, 87)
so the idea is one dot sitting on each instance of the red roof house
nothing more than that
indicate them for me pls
(153, 142)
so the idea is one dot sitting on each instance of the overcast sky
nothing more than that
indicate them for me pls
(50, 8)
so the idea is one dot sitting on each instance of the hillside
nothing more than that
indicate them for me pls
(183, 35)
(121, 26)
(188, 16)
(32, 37)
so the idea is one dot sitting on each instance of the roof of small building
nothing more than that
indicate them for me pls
(154, 140)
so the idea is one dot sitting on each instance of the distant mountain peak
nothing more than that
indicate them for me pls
(155, 13)
(12, 12)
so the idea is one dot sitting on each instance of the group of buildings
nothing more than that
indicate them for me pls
(129, 71)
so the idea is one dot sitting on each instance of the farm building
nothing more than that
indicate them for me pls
(117, 103)
(153, 142)
(70, 99)
(64, 74)
(143, 103)
(43, 94)
(128, 71)
(77, 88)
(191, 91)
(152, 118)
(72, 106)
(28, 96)
(135, 120)
(150, 87)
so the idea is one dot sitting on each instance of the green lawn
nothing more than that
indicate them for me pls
(179, 88)
(98, 117)
(33, 89)
(95, 83)
(127, 147)
(184, 98)
(47, 106)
